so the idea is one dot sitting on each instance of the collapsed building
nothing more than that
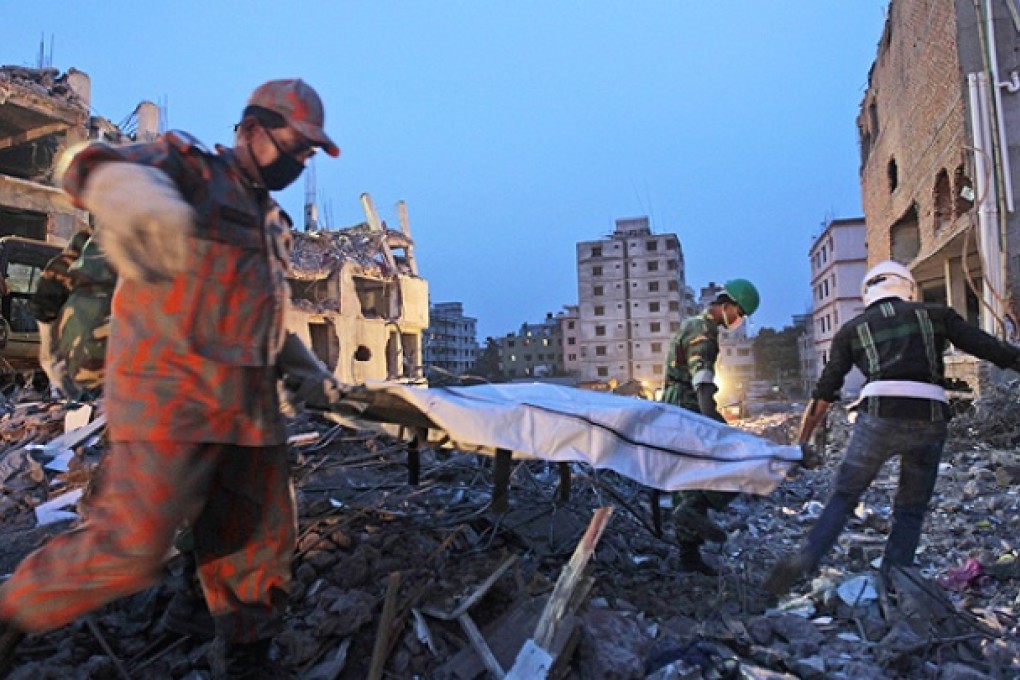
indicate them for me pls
(939, 137)
(358, 301)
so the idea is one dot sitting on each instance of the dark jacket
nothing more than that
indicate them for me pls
(898, 340)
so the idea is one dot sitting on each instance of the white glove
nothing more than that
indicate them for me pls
(306, 376)
(142, 222)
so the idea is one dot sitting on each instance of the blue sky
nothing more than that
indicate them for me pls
(513, 130)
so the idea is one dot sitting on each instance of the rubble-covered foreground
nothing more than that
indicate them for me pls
(389, 578)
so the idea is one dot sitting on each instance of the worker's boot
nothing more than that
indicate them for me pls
(251, 661)
(692, 561)
(10, 637)
(188, 612)
(689, 521)
(787, 571)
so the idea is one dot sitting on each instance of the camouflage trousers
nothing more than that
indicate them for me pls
(239, 503)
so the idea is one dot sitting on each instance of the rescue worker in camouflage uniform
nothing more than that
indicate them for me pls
(197, 344)
(51, 293)
(83, 326)
(897, 343)
(690, 383)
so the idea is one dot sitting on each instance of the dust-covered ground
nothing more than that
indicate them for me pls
(382, 567)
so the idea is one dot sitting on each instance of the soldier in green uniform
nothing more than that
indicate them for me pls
(690, 383)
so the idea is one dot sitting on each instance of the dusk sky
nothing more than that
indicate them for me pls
(513, 130)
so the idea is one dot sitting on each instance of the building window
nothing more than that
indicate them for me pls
(603, 371)
(596, 251)
(657, 369)
(653, 306)
(571, 341)
(674, 326)
(674, 285)
(600, 310)
(652, 246)
(674, 306)
(653, 286)
(600, 330)
(570, 325)
(671, 245)
(596, 271)
(671, 265)
(654, 327)
(598, 290)
(653, 265)
(600, 350)
(656, 347)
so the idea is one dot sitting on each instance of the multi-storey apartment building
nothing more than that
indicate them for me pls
(450, 342)
(571, 331)
(630, 298)
(838, 263)
(534, 351)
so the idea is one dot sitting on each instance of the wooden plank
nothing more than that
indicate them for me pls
(570, 577)
(379, 655)
(480, 646)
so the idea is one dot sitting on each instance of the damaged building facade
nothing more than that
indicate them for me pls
(358, 302)
(939, 130)
(43, 115)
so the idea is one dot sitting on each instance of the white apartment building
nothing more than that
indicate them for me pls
(631, 293)
(451, 338)
(839, 260)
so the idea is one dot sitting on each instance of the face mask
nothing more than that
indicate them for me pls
(282, 172)
(731, 325)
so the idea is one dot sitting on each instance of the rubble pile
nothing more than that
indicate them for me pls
(389, 579)
(316, 255)
(45, 82)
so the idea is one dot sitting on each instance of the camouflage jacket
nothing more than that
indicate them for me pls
(54, 281)
(691, 360)
(192, 359)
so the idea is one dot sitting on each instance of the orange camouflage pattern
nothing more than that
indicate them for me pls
(239, 502)
(192, 359)
(196, 433)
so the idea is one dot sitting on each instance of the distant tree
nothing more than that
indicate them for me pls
(776, 357)
(487, 364)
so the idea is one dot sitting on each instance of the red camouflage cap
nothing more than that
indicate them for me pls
(300, 106)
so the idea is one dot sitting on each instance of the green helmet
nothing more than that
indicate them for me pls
(744, 294)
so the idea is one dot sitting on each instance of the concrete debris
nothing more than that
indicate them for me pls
(45, 82)
(385, 573)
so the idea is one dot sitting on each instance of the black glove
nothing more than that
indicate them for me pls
(809, 457)
(706, 401)
(306, 376)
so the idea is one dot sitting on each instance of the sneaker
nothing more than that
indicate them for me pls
(10, 637)
(188, 614)
(700, 524)
(692, 561)
(785, 573)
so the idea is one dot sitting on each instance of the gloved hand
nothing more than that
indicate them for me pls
(142, 222)
(306, 376)
(706, 401)
(810, 458)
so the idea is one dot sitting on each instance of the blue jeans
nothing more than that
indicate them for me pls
(874, 441)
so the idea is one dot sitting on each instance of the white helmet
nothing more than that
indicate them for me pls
(888, 279)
